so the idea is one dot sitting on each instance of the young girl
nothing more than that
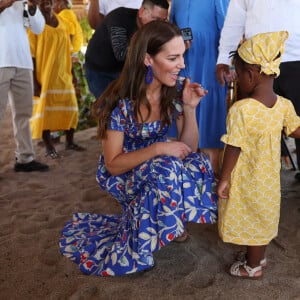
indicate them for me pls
(249, 188)
(160, 184)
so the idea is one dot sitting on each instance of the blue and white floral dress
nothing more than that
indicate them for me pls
(158, 198)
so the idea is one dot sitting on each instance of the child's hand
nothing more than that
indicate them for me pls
(192, 93)
(223, 189)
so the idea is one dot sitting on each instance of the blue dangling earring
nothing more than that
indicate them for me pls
(149, 75)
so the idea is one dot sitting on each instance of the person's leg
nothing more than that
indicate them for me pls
(5, 77)
(50, 149)
(21, 95)
(252, 267)
(98, 81)
(255, 254)
(69, 137)
(70, 145)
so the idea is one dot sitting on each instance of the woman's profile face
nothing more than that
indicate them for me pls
(168, 62)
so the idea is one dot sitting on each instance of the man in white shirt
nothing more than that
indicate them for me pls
(97, 9)
(16, 75)
(249, 17)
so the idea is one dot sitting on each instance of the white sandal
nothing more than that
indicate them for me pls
(242, 257)
(235, 270)
(182, 238)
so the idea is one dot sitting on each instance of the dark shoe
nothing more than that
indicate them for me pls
(31, 167)
(297, 176)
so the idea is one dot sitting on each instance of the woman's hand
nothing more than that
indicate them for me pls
(192, 93)
(174, 148)
(118, 162)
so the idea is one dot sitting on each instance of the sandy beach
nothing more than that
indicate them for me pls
(35, 206)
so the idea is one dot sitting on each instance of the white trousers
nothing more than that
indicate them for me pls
(16, 85)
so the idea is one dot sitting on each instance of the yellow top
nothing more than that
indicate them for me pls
(250, 215)
(73, 27)
(56, 108)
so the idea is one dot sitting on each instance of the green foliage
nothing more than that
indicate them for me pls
(86, 30)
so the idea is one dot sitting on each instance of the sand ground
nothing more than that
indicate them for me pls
(34, 208)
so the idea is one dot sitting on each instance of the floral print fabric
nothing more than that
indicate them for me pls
(157, 198)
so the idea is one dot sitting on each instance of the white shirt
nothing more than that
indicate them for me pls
(106, 6)
(251, 17)
(14, 49)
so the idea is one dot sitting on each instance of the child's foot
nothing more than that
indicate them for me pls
(52, 153)
(242, 257)
(242, 270)
(74, 147)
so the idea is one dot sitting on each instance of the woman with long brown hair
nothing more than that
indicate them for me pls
(160, 184)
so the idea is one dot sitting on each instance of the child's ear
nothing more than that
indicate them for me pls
(253, 72)
(252, 75)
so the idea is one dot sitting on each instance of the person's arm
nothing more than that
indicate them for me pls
(37, 21)
(231, 35)
(187, 125)
(291, 123)
(296, 134)
(94, 15)
(118, 162)
(5, 4)
(78, 37)
(231, 156)
(119, 42)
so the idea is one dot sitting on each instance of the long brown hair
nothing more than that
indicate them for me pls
(131, 84)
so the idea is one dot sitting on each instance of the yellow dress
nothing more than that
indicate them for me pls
(56, 108)
(73, 27)
(250, 215)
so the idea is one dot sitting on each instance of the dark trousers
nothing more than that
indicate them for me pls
(288, 86)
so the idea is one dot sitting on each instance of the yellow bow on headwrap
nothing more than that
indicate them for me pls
(264, 49)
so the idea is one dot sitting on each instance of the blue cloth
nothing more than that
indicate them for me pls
(157, 198)
(206, 20)
(98, 81)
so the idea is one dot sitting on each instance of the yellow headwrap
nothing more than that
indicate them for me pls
(264, 49)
